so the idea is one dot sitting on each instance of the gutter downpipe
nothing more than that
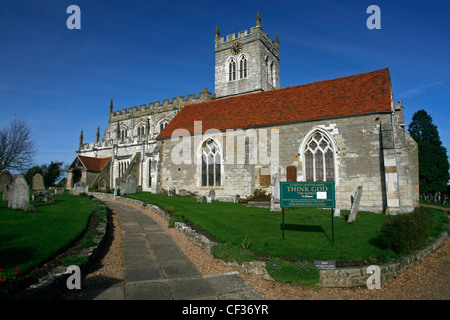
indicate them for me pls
(396, 162)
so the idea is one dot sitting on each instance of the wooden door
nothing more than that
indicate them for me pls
(291, 173)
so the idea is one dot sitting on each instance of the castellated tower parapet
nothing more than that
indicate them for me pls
(138, 124)
(157, 107)
(246, 63)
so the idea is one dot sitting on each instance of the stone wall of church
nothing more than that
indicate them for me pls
(361, 158)
(130, 121)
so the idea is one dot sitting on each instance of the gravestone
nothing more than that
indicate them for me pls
(131, 184)
(43, 196)
(79, 188)
(182, 192)
(275, 186)
(6, 189)
(172, 191)
(5, 178)
(102, 184)
(355, 205)
(38, 182)
(59, 191)
(212, 194)
(19, 194)
(202, 199)
(237, 198)
(30, 208)
(120, 185)
(209, 200)
(337, 212)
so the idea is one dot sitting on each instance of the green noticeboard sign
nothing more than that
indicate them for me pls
(311, 194)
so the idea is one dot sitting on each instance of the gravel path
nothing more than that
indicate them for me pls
(428, 281)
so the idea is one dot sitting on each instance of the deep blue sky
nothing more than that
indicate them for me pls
(60, 81)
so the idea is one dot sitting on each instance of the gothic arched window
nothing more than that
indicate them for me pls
(319, 158)
(211, 164)
(231, 70)
(243, 67)
(162, 125)
(140, 132)
(272, 72)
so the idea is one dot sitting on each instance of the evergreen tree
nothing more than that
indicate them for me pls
(51, 173)
(433, 161)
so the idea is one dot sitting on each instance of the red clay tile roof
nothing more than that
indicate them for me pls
(93, 164)
(357, 94)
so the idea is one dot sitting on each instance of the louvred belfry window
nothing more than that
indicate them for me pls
(243, 67)
(319, 158)
(231, 70)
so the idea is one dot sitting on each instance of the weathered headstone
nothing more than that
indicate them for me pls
(209, 200)
(120, 185)
(5, 178)
(38, 182)
(131, 184)
(59, 191)
(79, 188)
(19, 194)
(182, 192)
(337, 212)
(212, 194)
(172, 191)
(101, 184)
(30, 208)
(6, 189)
(355, 205)
(43, 196)
(275, 186)
(202, 199)
(237, 198)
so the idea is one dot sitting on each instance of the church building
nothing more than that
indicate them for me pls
(250, 134)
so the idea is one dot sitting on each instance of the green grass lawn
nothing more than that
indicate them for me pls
(307, 231)
(30, 238)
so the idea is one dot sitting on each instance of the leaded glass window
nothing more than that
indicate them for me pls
(211, 164)
(319, 158)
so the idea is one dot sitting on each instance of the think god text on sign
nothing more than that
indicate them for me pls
(311, 194)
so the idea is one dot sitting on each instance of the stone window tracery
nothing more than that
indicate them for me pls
(141, 132)
(231, 69)
(319, 158)
(243, 67)
(211, 164)
(162, 125)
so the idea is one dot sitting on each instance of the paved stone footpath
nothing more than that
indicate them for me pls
(156, 269)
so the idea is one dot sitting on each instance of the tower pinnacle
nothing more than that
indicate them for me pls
(217, 32)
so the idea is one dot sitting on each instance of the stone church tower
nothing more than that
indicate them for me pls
(247, 63)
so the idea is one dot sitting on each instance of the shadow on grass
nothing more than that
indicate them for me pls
(304, 228)
(13, 257)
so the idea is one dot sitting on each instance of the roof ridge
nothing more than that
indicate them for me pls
(361, 93)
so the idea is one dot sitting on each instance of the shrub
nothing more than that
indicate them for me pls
(7, 280)
(169, 209)
(258, 195)
(405, 233)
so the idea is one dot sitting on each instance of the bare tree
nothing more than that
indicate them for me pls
(17, 149)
